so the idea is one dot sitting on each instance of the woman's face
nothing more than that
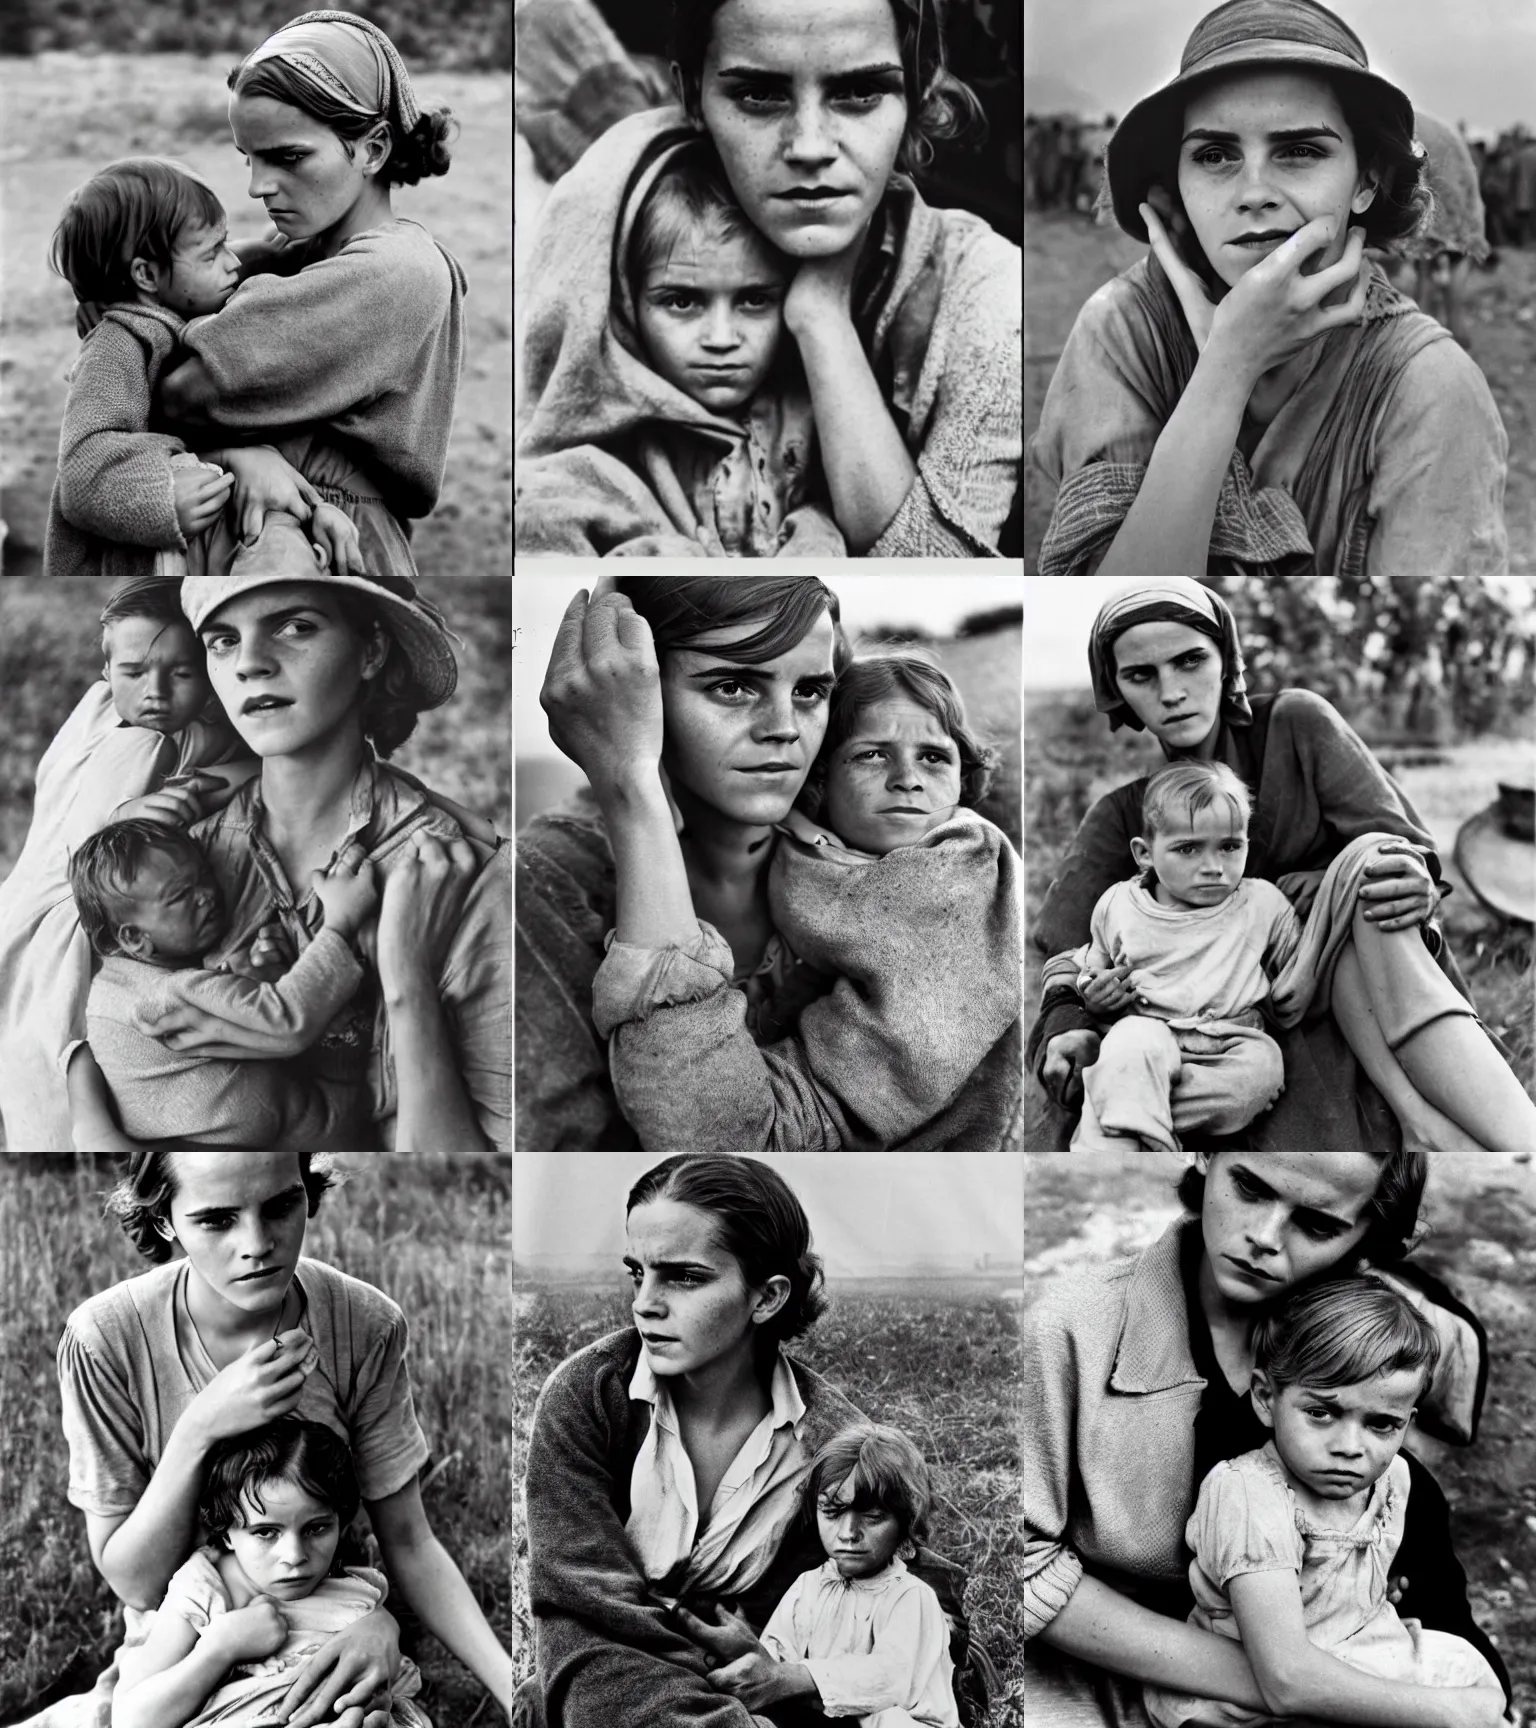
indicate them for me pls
(288, 666)
(1270, 1220)
(240, 1218)
(1170, 677)
(299, 167)
(806, 103)
(692, 1307)
(741, 739)
(1267, 152)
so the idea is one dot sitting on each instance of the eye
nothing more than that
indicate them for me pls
(675, 300)
(731, 690)
(942, 757)
(297, 628)
(864, 755)
(1304, 151)
(810, 694)
(758, 98)
(218, 1221)
(758, 300)
(1246, 1187)
(220, 643)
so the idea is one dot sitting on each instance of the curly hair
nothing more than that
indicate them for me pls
(142, 1197)
(889, 1475)
(758, 1222)
(307, 1454)
(939, 105)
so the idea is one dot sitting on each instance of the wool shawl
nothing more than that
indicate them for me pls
(1388, 458)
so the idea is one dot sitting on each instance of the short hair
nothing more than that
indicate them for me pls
(104, 864)
(142, 1197)
(391, 699)
(690, 194)
(134, 208)
(155, 598)
(873, 678)
(680, 609)
(413, 155)
(889, 1475)
(307, 1454)
(758, 1222)
(1342, 1331)
(1195, 786)
(939, 105)
(1392, 1212)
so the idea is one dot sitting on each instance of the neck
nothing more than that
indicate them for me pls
(372, 208)
(301, 792)
(719, 1390)
(1204, 751)
(221, 1323)
(718, 850)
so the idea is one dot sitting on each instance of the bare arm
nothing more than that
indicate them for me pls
(165, 1679)
(93, 1124)
(137, 1554)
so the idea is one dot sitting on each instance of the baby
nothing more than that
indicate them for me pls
(151, 907)
(246, 1611)
(1186, 955)
(146, 240)
(1294, 1544)
(861, 1636)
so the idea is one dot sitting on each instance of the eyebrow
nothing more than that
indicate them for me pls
(886, 743)
(270, 619)
(668, 1265)
(875, 71)
(759, 674)
(218, 1211)
(1151, 665)
(1285, 135)
(1311, 1211)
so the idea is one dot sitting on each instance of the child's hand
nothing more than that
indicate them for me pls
(335, 534)
(349, 893)
(251, 1633)
(264, 481)
(1109, 991)
(268, 957)
(200, 497)
(177, 804)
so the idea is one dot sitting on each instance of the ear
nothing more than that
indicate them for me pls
(1263, 1394)
(375, 652)
(166, 1234)
(133, 942)
(771, 1298)
(1365, 197)
(144, 275)
(377, 146)
(1142, 853)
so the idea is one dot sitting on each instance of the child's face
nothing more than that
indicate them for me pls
(711, 315)
(1269, 1220)
(1198, 856)
(895, 777)
(172, 910)
(286, 1546)
(202, 275)
(156, 673)
(1338, 1440)
(861, 1543)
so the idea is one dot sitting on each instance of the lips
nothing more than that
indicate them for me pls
(1268, 237)
(812, 195)
(771, 768)
(1250, 1271)
(264, 704)
(903, 810)
(257, 1277)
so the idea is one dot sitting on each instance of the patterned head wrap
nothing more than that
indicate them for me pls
(1166, 599)
(349, 60)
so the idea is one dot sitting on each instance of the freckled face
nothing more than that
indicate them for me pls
(203, 273)
(1339, 1439)
(896, 777)
(299, 167)
(156, 673)
(1252, 182)
(691, 1305)
(1170, 676)
(806, 102)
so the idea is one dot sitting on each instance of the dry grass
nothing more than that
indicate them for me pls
(942, 1365)
(439, 1248)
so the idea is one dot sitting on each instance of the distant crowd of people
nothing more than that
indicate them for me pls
(1506, 176)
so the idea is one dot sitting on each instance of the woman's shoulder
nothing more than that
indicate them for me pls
(590, 1377)
(118, 1313)
(827, 1408)
(417, 267)
(1084, 1310)
(1303, 715)
(335, 1291)
(1443, 381)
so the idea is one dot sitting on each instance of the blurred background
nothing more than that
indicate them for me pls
(83, 82)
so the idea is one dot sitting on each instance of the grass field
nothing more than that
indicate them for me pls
(63, 115)
(438, 1247)
(940, 1363)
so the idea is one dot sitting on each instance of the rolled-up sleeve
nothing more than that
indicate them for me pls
(1051, 1570)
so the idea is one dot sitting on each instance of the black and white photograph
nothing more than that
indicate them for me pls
(765, 1440)
(257, 1455)
(1280, 864)
(768, 284)
(258, 274)
(1280, 261)
(255, 864)
(1279, 1461)
(767, 863)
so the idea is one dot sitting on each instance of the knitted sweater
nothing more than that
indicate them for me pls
(114, 504)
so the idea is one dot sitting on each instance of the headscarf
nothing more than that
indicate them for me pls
(349, 60)
(1166, 599)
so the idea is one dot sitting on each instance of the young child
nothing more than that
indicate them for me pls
(146, 240)
(1293, 1544)
(861, 1635)
(1185, 956)
(733, 465)
(245, 1611)
(151, 908)
(146, 738)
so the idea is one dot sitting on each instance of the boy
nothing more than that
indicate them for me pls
(1185, 957)
(149, 903)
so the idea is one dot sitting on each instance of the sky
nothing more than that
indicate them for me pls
(935, 603)
(869, 1215)
(1474, 60)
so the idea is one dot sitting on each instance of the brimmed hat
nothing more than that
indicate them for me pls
(1291, 35)
(1496, 852)
(418, 627)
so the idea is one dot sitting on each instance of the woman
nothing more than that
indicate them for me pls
(1142, 1371)
(907, 318)
(237, 1330)
(696, 1406)
(1254, 396)
(321, 679)
(1391, 1047)
(345, 340)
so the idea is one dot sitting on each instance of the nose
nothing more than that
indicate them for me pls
(720, 333)
(263, 181)
(903, 776)
(848, 1528)
(252, 658)
(647, 1300)
(157, 682)
(1347, 1442)
(291, 1550)
(1253, 189)
(778, 721)
(808, 138)
(1264, 1230)
(256, 1239)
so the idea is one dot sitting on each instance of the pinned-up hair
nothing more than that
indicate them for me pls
(134, 208)
(1343, 1331)
(142, 1198)
(306, 1454)
(1190, 787)
(889, 1475)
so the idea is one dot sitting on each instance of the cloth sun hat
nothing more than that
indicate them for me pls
(1496, 852)
(420, 631)
(1284, 35)
(1173, 600)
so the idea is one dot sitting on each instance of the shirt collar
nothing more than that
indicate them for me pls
(788, 1407)
(1153, 1351)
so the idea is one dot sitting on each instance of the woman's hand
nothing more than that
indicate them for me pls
(265, 481)
(421, 910)
(1399, 891)
(185, 1026)
(257, 1387)
(602, 691)
(1109, 991)
(335, 534)
(348, 1681)
(1169, 231)
(1066, 1056)
(822, 289)
(200, 497)
(178, 803)
(726, 1640)
(1300, 888)
(758, 1681)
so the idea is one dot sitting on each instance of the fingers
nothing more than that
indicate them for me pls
(566, 654)
(605, 587)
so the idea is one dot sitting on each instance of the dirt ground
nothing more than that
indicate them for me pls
(63, 115)
(1066, 258)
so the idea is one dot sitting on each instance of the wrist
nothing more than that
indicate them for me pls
(1226, 370)
(631, 786)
